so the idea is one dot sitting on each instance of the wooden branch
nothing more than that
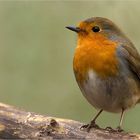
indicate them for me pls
(17, 124)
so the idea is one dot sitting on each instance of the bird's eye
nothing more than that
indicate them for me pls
(95, 29)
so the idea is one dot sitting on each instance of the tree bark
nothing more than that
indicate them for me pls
(16, 124)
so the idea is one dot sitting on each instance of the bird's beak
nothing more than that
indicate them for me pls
(75, 29)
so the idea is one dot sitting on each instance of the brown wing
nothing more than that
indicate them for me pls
(133, 58)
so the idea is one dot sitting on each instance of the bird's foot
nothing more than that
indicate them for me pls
(110, 129)
(118, 129)
(87, 127)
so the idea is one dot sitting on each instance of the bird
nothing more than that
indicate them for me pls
(106, 66)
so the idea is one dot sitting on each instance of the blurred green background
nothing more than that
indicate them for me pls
(36, 53)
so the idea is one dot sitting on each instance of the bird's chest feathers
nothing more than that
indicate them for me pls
(97, 55)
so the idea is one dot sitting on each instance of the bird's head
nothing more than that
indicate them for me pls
(97, 27)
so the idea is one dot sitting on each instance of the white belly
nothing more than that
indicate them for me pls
(111, 94)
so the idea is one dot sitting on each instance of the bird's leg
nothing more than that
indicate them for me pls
(119, 128)
(92, 123)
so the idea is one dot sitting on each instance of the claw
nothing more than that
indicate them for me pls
(84, 126)
(109, 128)
(87, 127)
(118, 129)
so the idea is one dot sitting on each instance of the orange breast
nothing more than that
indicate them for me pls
(97, 54)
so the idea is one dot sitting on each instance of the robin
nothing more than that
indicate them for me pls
(107, 67)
